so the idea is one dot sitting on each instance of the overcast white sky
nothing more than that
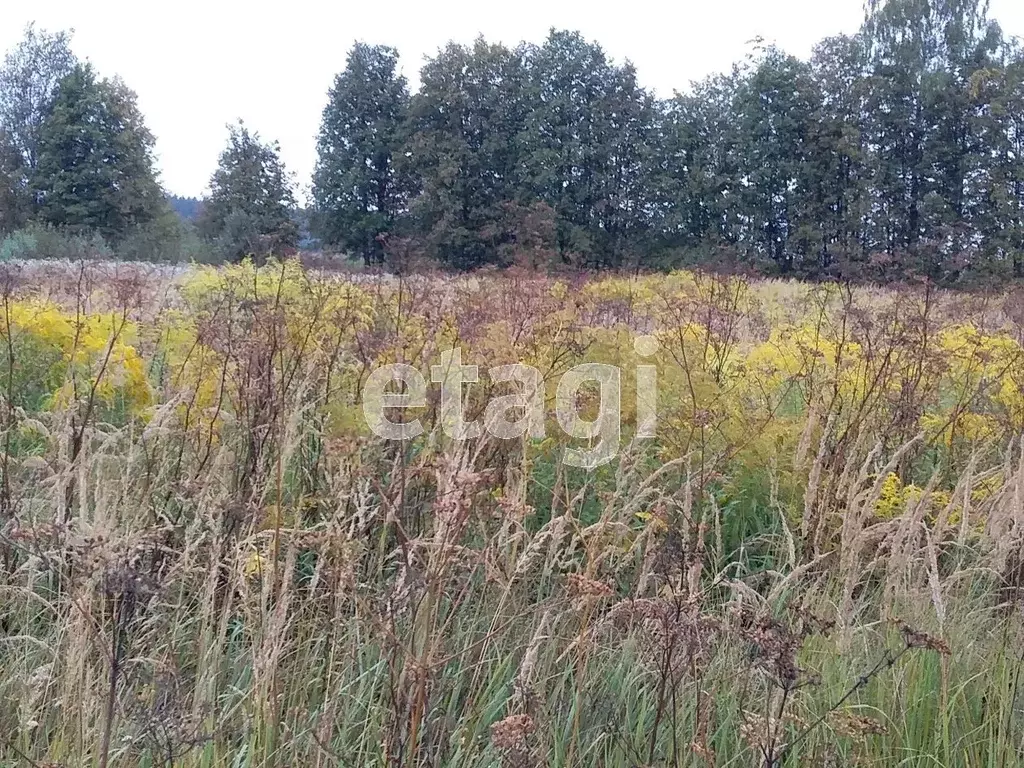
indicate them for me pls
(200, 64)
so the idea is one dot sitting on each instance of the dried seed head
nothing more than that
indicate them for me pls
(855, 726)
(703, 752)
(512, 732)
(670, 629)
(775, 649)
(763, 735)
(582, 586)
(917, 639)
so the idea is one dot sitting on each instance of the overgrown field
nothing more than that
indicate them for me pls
(209, 560)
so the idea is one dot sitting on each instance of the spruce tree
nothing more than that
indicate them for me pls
(251, 208)
(360, 187)
(94, 171)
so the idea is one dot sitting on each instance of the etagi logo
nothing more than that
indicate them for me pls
(522, 413)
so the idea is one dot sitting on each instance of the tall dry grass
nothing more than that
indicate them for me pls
(232, 573)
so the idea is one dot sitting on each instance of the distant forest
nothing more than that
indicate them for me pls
(186, 207)
(894, 152)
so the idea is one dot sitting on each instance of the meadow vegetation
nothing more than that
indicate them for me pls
(208, 560)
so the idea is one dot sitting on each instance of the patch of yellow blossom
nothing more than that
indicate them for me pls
(89, 355)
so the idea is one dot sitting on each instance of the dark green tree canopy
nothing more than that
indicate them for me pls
(360, 186)
(465, 146)
(14, 198)
(251, 206)
(94, 171)
(890, 153)
(588, 147)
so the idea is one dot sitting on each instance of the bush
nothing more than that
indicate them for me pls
(17, 246)
(168, 238)
(40, 242)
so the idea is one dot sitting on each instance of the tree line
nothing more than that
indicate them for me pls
(76, 159)
(898, 150)
(892, 152)
(78, 177)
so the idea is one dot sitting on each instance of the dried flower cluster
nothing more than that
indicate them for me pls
(511, 738)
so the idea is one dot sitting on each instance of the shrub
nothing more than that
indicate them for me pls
(166, 239)
(43, 242)
(18, 245)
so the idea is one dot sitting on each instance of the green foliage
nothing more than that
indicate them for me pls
(186, 207)
(14, 199)
(360, 185)
(167, 238)
(889, 154)
(37, 241)
(775, 108)
(465, 145)
(95, 168)
(587, 148)
(29, 79)
(17, 246)
(522, 154)
(251, 206)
